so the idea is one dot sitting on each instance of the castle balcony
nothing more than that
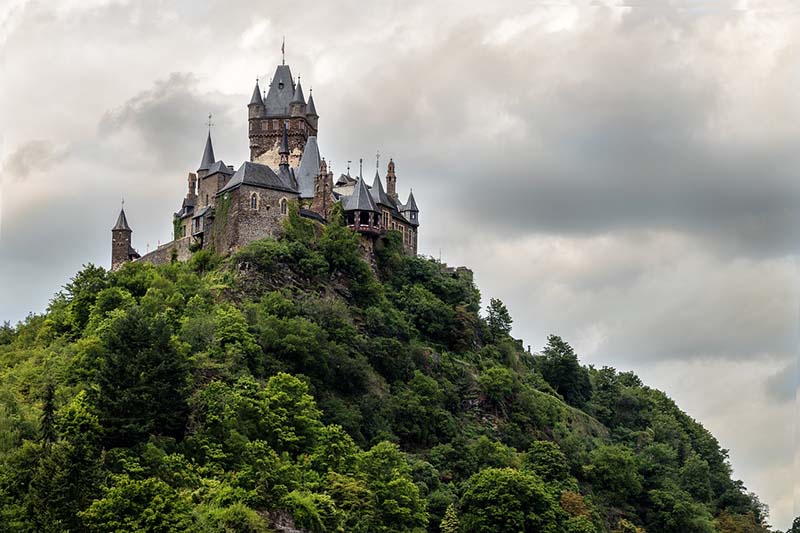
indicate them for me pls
(366, 222)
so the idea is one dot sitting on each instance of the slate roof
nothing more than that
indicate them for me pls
(298, 93)
(344, 179)
(256, 99)
(202, 212)
(308, 170)
(122, 222)
(208, 155)
(220, 167)
(257, 175)
(307, 213)
(280, 93)
(378, 194)
(312, 109)
(411, 204)
(361, 199)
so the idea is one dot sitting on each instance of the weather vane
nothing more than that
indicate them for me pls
(209, 122)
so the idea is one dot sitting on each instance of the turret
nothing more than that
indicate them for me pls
(297, 107)
(311, 111)
(410, 209)
(391, 180)
(323, 186)
(192, 182)
(208, 157)
(121, 249)
(255, 109)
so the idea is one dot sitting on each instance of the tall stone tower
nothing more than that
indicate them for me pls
(284, 104)
(391, 180)
(121, 249)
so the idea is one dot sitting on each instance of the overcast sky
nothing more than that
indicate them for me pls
(624, 174)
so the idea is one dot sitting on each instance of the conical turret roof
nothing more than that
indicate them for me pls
(208, 154)
(360, 200)
(411, 204)
(122, 222)
(298, 94)
(256, 99)
(312, 109)
(378, 194)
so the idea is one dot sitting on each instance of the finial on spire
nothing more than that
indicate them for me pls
(283, 51)
(360, 166)
(377, 160)
(209, 124)
(348, 166)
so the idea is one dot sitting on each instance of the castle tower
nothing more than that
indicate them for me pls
(323, 187)
(121, 249)
(284, 102)
(391, 180)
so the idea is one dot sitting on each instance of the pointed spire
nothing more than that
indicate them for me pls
(208, 154)
(411, 204)
(312, 109)
(122, 222)
(378, 194)
(256, 99)
(298, 93)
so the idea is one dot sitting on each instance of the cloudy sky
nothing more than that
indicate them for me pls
(623, 173)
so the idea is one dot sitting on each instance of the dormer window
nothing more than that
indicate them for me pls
(280, 85)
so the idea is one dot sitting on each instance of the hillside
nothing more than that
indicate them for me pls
(289, 387)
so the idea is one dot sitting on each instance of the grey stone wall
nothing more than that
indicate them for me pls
(164, 253)
(236, 223)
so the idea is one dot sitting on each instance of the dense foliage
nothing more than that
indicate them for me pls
(292, 383)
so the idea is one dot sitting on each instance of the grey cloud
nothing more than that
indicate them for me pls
(31, 157)
(168, 122)
(784, 385)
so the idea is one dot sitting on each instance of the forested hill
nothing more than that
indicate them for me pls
(288, 387)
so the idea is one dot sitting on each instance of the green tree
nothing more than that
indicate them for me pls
(505, 500)
(613, 470)
(450, 521)
(139, 505)
(399, 504)
(142, 380)
(546, 460)
(498, 318)
(559, 366)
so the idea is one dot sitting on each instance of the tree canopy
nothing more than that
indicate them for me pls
(294, 383)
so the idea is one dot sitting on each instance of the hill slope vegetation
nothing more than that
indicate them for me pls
(291, 385)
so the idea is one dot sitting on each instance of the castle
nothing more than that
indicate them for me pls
(226, 209)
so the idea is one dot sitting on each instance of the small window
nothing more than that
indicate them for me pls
(253, 201)
(284, 206)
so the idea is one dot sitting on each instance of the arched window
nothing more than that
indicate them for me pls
(284, 206)
(253, 201)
